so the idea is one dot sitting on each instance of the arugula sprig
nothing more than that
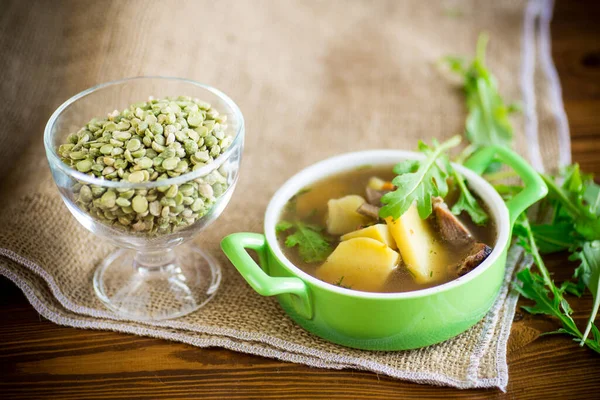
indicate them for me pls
(419, 181)
(570, 228)
(576, 200)
(467, 202)
(575, 226)
(556, 236)
(575, 206)
(549, 299)
(313, 246)
(488, 115)
(588, 273)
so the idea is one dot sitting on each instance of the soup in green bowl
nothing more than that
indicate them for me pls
(399, 309)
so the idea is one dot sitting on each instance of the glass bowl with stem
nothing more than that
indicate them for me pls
(147, 188)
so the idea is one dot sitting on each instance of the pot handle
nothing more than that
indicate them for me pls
(234, 246)
(534, 187)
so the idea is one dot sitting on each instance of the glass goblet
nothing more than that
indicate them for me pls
(151, 276)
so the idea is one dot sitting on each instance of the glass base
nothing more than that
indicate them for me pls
(159, 286)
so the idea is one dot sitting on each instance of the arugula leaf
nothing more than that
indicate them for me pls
(533, 288)
(548, 298)
(576, 198)
(487, 122)
(283, 226)
(591, 196)
(312, 245)
(574, 288)
(558, 236)
(466, 202)
(596, 333)
(418, 181)
(522, 231)
(589, 272)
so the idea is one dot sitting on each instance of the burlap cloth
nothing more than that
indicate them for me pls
(313, 79)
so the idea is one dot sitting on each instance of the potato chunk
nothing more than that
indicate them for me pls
(376, 183)
(423, 255)
(379, 232)
(360, 264)
(342, 216)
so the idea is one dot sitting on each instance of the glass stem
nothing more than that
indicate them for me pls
(154, 261)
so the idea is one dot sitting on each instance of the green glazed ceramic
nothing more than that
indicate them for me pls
(384, 321)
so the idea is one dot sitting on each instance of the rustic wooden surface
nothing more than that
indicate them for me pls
(39, 359)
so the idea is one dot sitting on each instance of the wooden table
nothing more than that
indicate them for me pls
(39, 359)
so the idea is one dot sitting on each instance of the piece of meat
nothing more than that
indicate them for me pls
(478, 253)
(374, 196)
(451, 229)
(368, 210)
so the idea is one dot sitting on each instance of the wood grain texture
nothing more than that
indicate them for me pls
(39, 359)
(576, 52)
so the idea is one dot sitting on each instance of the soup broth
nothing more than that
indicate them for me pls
(310, 206)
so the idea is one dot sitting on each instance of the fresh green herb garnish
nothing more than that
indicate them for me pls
(418, 181)
(283, 226)
(466, 202)
(313, 246)
(577, 199)
(554, 237)
(588, 272)
(575, 226)
(487, 121)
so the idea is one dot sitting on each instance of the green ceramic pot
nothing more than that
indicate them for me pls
(384, 321)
